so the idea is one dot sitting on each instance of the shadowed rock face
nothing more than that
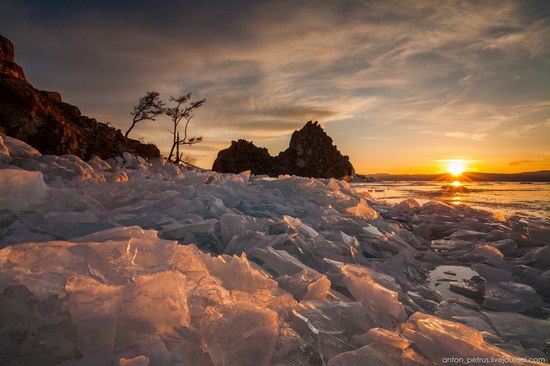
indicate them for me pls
(310, 154)
(44, 121)
(244, 155)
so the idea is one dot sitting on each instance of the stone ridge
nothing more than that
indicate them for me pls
(310, 154)
(44, 121)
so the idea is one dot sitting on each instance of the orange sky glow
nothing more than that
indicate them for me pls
(400, 86)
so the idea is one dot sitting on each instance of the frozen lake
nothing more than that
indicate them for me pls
(130, 262)
(509, 198)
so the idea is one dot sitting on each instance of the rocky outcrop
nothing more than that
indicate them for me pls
(44, 121)
(310, 154)
(244, 155)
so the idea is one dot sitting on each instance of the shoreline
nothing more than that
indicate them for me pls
(507, 198)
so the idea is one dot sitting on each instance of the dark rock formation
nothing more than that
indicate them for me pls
(310, 154)
(44, 121)
(243, 155)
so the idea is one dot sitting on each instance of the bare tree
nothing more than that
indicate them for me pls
(148, 108)
(182, 112)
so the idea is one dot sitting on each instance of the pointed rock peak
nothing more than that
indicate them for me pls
(6, 50)
(310, 154)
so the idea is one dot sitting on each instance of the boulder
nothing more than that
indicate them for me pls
(53, 127)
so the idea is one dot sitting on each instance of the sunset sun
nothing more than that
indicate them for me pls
(456, 167)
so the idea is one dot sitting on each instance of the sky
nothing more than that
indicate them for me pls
(401, 86)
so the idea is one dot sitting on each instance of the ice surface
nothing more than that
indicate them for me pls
(380, 347)
(18, 148)
(328, 326)
(19, 189)
(364, 210)
(237, 273)
(510, 296)
(530, 332)
(441, 340)
(240, 334)
(136, 262)
(491, 274)
(382, 304)
(306, 285)
(538, 257)
(5, 157)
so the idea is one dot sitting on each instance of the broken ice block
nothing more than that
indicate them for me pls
(538, 257)
(19, 189)
(237, 272)
(383, 337)
(447, 342)
(495, 258)
(306, 285)
(505, 246)
(280, 261)
(249, 241)
(178, 231)
(156, 302)
(510, 296)
(377, 299)
(529, 332)
(364, 210)
(136, 361)
(301, 228)
(5, 157)
(240, 334)
(18, 148)
(96, 335)
(491, 274)
(234, 224)
(372, 354)
(327, 325)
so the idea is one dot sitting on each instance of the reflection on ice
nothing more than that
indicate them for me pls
(442, 276)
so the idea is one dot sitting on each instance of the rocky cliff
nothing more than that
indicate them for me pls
(310, 154)
(43, 120)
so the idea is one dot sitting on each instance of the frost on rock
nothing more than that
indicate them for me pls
(134, 262)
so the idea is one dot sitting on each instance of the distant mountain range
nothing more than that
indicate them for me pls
(539, 176)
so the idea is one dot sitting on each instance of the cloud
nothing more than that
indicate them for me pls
(521, 162)
(521, 130)
(377, 138)
(464, 135)
(461, 135)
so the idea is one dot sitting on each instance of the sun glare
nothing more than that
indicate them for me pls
(456, 167)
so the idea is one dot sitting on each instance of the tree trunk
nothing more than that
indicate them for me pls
(178, 149)
(130, 129)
